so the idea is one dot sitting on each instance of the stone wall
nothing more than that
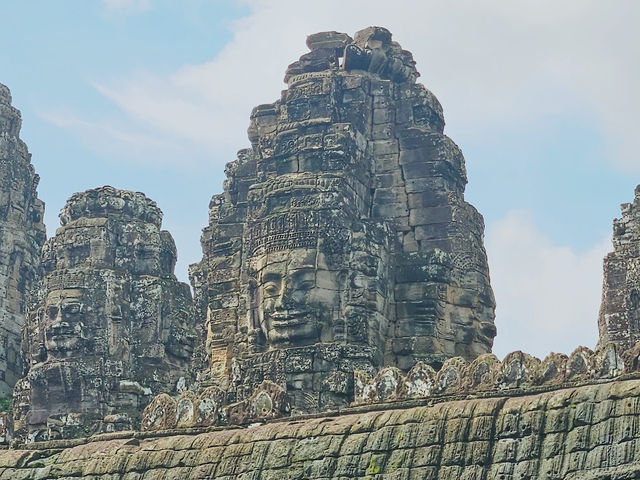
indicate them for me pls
(580, 433)
(22, 235)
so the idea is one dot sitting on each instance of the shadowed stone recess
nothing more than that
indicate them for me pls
(619, 319)
(110, 325)
(22, 235)
(342, 240)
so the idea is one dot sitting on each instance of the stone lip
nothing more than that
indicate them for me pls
(107, 201)
(371, 49)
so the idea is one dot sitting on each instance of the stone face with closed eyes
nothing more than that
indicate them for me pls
(110, 326)
(342, 240)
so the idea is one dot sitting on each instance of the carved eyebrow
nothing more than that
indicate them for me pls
(302, 268)
(271, 277)
(301, 273)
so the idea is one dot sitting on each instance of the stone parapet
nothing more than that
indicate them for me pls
(587, 432)
(488, 375)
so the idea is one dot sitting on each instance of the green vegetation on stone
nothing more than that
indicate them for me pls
(6, 405)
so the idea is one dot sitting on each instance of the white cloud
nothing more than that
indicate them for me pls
(127, 5)
(110, 138)
(491, 63)
(548, 296)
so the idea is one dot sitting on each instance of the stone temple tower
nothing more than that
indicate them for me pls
(342, 239)
(22, 235)
(619, 320)
(110, 325)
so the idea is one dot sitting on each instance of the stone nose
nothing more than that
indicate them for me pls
(284, 301)
(57, 314)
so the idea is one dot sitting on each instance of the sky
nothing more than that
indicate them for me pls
(155, 96)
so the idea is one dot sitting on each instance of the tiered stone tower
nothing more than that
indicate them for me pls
(111, 325)
(342, 240)
(22, 235)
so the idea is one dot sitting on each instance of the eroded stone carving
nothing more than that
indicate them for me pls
(110, 326)
(268, 401)
(160, 414)
(487, 375)
(552, 369)
(22, 235)
(342, 240)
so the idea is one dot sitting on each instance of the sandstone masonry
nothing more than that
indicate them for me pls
(343, 313)
(574, 433)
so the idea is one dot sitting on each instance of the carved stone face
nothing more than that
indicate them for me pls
(298, 298)
(64, 321)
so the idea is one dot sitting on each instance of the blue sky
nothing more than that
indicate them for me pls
(155, 95)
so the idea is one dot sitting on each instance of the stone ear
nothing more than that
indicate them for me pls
(252, 293)
(256, 335)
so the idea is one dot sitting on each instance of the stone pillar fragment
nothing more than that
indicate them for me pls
(619, 320)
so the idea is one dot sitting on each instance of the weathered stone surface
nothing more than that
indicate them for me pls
(160, 414)
(619, 319)
(268, 401)
(209, 407)
(341, 264)
(110, 326)
(22, 235)
(342, 240)
(588, 432)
